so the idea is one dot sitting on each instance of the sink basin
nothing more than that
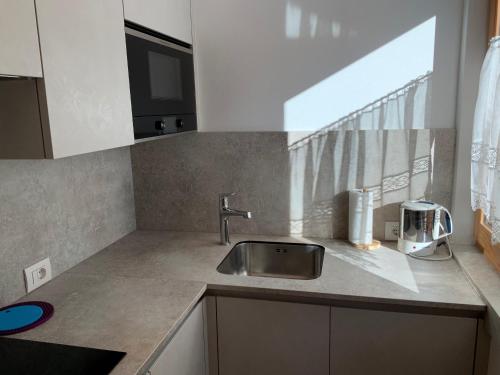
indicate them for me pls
(274, 259)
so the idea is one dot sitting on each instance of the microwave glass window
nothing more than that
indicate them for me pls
(164, 76)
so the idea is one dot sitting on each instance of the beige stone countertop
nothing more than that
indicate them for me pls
(134, 294)
(485, 278)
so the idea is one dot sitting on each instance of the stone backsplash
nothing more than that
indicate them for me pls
(294, 183)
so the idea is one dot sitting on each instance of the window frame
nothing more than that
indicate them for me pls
(482, 230)
(494, 27)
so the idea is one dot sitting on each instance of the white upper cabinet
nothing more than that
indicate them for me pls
(19, 50)
(85, 95)
(169, 17)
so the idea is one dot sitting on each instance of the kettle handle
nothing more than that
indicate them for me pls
(448, 223)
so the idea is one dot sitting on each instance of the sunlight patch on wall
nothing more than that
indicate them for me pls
(313, 25)
(301, 24)
(293, 20)
(374, 76)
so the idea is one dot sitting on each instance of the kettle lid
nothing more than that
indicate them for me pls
(420, 205)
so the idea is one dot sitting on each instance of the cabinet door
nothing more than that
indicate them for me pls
(169, 17)
(272, 338)
(185, 353)
(390, 343)
(20, 54)
(85, 92)
(20, 132)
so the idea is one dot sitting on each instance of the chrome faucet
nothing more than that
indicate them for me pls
(224, 213)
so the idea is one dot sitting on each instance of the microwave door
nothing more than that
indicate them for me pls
(165, 77)
(161, 77)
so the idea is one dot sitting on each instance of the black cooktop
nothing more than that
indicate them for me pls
(23, 357)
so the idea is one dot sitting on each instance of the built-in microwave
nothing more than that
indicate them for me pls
(161, 74)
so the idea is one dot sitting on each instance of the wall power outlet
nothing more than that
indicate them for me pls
(37, 274)
(391, 230)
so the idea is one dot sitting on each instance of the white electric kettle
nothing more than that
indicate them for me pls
(421, 226)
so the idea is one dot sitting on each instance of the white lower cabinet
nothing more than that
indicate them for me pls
(185, 353)
(392, 343)
(272, 338)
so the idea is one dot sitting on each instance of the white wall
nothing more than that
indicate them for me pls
(255, 58)
(473, 52)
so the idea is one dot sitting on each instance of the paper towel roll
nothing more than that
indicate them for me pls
(360, 217)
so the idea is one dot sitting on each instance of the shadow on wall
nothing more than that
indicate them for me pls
(395, 165)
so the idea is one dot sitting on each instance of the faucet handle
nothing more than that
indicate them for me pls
(224, 203)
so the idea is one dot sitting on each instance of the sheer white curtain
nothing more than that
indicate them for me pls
(485, 165)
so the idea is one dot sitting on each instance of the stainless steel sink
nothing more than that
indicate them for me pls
(274, 259)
